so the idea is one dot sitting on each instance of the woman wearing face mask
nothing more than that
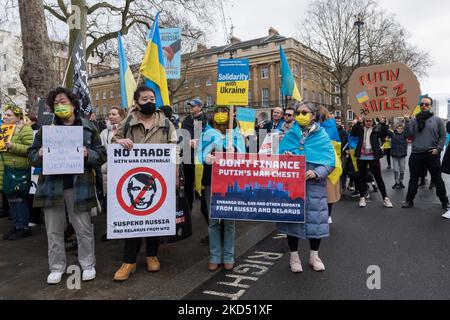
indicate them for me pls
(309, 139)
(74, 193)
(15, 157)
(368, 154)
(215, 139)
(145, 124)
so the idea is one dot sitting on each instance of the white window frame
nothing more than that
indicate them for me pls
(208, 82)
(265, 99)
(350, 115)
(337, 113)
(262, 73)
(196, 84)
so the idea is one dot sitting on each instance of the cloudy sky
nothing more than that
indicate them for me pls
(427, 22)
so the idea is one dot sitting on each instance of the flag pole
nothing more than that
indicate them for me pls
(67, 70)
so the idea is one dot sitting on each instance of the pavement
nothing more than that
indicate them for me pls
(409, 249)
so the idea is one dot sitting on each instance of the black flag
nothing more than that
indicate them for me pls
(80, 78)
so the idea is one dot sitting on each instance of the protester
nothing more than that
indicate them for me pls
(74, 193)
(345, 152)
(15, 172)
(399, 151)
(386, 147)
(428, 133)
(368, 152)
(196, 118)
(215, 139)
(277, 120)
(333, 187)
(145, 125)
(308, 138)
(115, 116)
(289, 121)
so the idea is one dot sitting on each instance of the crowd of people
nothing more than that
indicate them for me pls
(304, 129)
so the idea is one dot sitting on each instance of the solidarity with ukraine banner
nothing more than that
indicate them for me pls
(233, 77)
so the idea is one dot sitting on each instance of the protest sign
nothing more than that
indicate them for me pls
(45, 115)
(270, 144)
(171, 43)
(246, 118)
(258, 188)
(388, 90)
(6, 133)
(141, 191)
(63, 150)
(233, 77)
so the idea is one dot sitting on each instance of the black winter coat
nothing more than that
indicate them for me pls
(380, 132)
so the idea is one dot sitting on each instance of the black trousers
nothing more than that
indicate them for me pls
(133, 246)
(387, 152)
(418, 163)
(189, 179)
(375, 168)
(314, 244)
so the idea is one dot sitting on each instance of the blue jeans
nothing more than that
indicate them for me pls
(215, 242)
(19, 210)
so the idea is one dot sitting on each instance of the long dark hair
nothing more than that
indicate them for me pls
(69, 94)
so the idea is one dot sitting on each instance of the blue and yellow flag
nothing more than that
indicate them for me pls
(317, 147)
(331, 128)
(417, 109)
(288, 85)
(127, 82)
(352, 145)
(153, 67)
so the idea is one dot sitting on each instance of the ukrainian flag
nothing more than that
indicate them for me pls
(127, 82)
(288, 85)
(352, 145)
(362, 97)
(331, 129)
(153, 67)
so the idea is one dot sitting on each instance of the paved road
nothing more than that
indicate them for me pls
(411, 247)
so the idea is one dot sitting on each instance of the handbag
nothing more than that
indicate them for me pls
(16, 181)
(183, 219)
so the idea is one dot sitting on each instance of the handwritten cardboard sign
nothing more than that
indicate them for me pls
(63, 150)
(6, 133)
(388, 90)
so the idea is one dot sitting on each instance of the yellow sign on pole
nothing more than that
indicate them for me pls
(233, 82)
(6, 133)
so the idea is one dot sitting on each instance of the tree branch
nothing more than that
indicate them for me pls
(103, 4)
(55, 13)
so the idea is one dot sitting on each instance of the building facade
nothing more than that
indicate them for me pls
(199, 76)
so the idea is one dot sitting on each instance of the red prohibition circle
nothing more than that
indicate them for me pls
(131, 210)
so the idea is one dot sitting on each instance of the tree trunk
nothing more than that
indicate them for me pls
(37, 71)
(73, 34)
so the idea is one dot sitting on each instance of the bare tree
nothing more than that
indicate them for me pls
(102, 20)
(329, 30)
(37, 69)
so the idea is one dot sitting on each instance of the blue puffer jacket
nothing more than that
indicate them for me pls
(316, 208)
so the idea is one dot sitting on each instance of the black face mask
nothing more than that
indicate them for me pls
(148, 109)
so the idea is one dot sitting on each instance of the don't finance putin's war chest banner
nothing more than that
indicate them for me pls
(141, 191)
(258, 188)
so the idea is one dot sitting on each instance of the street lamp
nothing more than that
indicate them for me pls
(359, 23)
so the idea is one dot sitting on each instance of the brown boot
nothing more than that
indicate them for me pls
(124, 272)
(212, 266)
(153, 264)
(228, 266)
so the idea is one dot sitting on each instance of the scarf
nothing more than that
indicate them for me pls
(422, 118)
(367, 146)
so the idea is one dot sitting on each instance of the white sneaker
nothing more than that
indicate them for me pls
(330, 221)
(446, 215)
(54, 277)
(89, 275)
(362, 202)
(387, 203)
(316, 263)
(295, 263)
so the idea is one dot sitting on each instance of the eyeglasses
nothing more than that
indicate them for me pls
(424, 104)
(303, 113)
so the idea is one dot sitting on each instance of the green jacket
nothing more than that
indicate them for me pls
(50, 189)
(16, 157)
